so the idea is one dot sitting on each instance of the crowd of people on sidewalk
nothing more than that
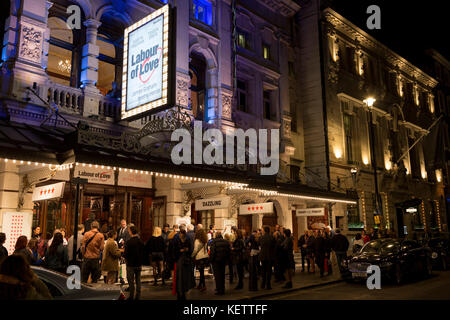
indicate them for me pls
(179, 251)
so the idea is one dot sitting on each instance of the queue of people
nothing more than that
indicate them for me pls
(179, 251)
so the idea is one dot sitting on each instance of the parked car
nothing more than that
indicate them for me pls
(397, 259)
(440, 253)
(57, 285)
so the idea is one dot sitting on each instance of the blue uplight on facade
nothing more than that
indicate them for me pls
(202, 10)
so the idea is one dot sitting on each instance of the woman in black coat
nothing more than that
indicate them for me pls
(238, 251)
(254, 262)
(184, 275)
(155, 248)
(288, 257)
(56, 257)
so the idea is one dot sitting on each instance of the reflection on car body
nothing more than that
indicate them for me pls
(397, 259)
(57, 284)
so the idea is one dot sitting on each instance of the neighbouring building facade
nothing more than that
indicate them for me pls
(383, 146)
(234, 67)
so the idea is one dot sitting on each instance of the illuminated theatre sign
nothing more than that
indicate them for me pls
(145, 82)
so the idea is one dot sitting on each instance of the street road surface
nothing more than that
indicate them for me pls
(435, 288)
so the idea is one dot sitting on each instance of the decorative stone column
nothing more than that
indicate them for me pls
(24, 49)
(89, 68)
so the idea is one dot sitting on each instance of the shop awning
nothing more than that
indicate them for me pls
(67, 147)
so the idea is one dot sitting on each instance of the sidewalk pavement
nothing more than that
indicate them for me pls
(301, 280)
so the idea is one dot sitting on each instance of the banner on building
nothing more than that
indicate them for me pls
(266, 207)
(212, 203)
(183, 220)
(228, 224)
(146, 63)
(95, 175)
(14, 225)
(51, 191)
(129, 179)
(310, 212)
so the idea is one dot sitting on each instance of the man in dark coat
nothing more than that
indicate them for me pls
(134, 254)
(319, 251)
(219, 256)
(302, 245)
(267, 256)
(339, 244)
(122, 233)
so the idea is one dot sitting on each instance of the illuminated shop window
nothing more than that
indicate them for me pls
(353, 218)
(202, 11)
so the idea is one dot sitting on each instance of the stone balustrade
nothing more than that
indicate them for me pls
(109, 107)
(66, 99)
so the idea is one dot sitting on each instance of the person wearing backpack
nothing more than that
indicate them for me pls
(93, 243)
(200, 256)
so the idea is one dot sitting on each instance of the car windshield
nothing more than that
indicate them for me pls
(379, 247)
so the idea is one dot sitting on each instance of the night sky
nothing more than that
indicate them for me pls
(407, 27)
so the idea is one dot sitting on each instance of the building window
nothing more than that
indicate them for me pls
(60, 52)
(202, 11)
(107, 66)
(353, 220)
(348, 125)
(293, 117)
(244, 40)
(295, 173)
(291, 69)
(207, 218)
(267, 105)
(242, 95)
(266, 51)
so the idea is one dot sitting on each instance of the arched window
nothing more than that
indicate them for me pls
(107, 65)
(197, 89)
(60, 52)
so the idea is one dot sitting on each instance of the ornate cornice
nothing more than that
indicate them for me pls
(350, 30)
(285, 7)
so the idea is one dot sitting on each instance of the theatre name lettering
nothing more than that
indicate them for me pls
(101, 176)
(212, 203)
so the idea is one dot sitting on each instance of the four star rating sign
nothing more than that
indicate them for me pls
(266, 207)
(50, 191)
(47, 191)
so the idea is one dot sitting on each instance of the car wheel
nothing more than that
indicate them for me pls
(398, 275)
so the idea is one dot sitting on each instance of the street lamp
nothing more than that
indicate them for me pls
(354, 172)
(369, 101)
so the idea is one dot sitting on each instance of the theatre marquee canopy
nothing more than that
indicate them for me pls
(146, 76)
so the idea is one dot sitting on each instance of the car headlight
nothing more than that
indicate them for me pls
(434, 255)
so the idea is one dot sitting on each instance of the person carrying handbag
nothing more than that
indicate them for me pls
(201, 256)
(93, 244)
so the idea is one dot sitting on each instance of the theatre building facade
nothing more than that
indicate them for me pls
(371, 127)
(64, 115)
